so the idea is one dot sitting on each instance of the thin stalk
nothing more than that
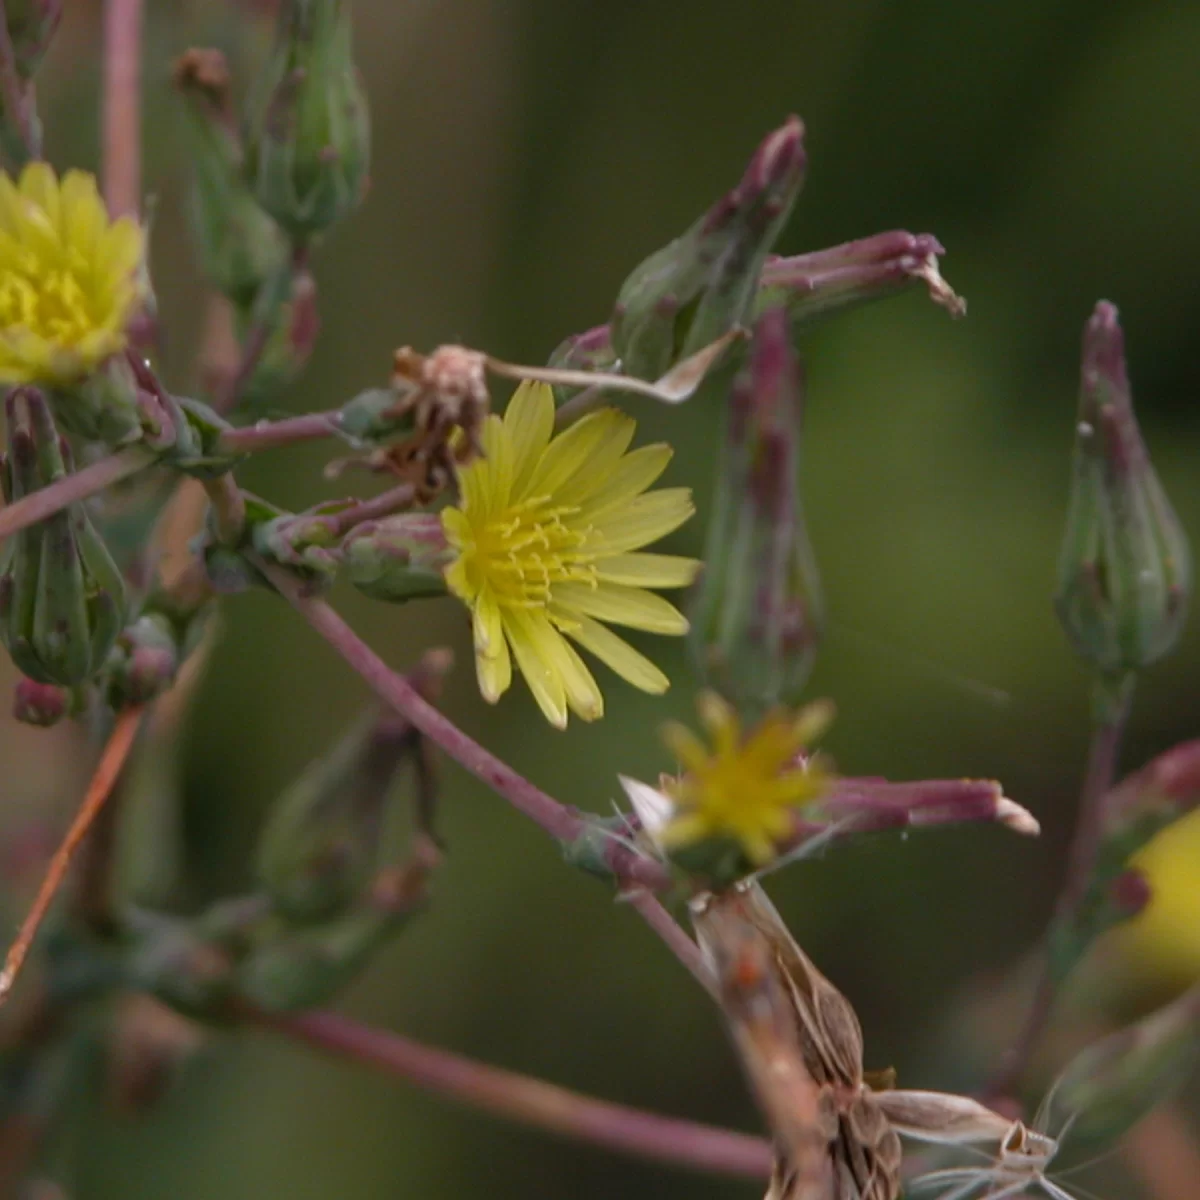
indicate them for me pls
(269, 435)
(122, 106)
(104, 779)
(39, 505)
(1110, 715)
(562, 823)
(529, 1101)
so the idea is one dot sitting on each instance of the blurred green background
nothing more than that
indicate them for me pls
(527, 155)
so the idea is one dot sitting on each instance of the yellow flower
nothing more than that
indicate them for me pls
(746, 787)
(68, 277)
(544, 538)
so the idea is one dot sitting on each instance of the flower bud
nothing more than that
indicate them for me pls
(300, 968)
(1124, 572)
(62, 598)
(694, 290)
(31, 25)
(241, 247)
(105, 406)
(40, 704)
(757, 614)
(309, 143)
(322, 836)
(398, 558)
(813, 285)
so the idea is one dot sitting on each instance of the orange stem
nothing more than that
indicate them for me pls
(108, 769)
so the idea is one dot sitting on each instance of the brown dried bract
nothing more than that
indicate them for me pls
(861, 1149)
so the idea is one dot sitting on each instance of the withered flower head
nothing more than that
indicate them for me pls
(740, 928)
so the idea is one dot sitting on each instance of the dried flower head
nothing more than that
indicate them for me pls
(545, 534)
(69, 277)
(747, 786)
(741, 926)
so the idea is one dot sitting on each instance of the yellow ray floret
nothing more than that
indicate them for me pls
(747, 785)
(547, 535)
(68, 277)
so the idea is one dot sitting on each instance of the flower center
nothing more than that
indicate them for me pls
(522, 552)
(48, 301)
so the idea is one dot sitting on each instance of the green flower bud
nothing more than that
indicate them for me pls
(173, 960)
(300, 968)
(321, 842)
(241, 247)
(694, 290)
(309, 142)
(1124, 572)
(62, 598)
(756, 617)
(31, 25)
(1116, 1081)
(398, 558)
(105, 407)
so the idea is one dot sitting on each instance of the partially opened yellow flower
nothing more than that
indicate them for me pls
(68, 277)
(747, 787)
(545, 536)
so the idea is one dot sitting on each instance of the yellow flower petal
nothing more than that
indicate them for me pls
(529, 420)
(619, 605)
(632, 476)
(643, 520)
(544, 681)
(573, 451)
(69, 277)
(649, 570)
(616, 654)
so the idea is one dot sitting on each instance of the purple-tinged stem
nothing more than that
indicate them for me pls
(387, 503)
(269, 435)
(530, 1101)
(560, 822)
(17, 95)
(122, 106)
(89, 481)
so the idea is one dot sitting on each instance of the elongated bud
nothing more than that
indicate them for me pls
(322, 836)
(241, 247)
(31, 25)
(814, 285)
(1124, 572)
(309, 141)
(1116, 1081)
(692, 291)
(398, 558)
(62, 598)
(757, 615)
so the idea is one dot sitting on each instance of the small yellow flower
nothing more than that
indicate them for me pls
(544, 536)
(748, 785)
(68, 277)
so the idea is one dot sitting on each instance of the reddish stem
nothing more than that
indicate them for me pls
(560, 822)
(122, 106)
(39, 505)
(530, 1101)
(268, 435)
